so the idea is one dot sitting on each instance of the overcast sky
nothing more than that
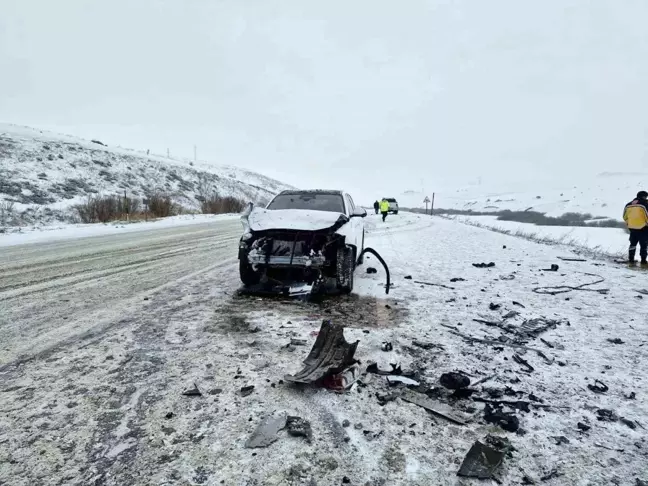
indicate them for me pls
(378, 96)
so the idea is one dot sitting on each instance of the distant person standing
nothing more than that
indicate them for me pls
(384, 208)
(635, 215)
(376, 207)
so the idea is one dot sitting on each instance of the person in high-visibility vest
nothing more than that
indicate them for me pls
(635, 215)
(384, 208)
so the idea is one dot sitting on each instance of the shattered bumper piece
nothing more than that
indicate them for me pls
(331, 354)
(266, 432)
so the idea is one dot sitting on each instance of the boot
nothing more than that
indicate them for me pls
(631, 256)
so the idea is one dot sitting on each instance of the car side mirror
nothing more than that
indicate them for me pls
(359, 213)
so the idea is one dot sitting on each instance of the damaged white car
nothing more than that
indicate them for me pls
(302, 236)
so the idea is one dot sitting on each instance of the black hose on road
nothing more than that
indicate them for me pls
(380, 259)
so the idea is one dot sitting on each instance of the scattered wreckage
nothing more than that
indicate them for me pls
(303, 240)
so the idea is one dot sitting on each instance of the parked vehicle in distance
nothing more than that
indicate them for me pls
(393, 205)
(302, 235)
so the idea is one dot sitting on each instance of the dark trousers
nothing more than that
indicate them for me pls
(639, 237)
(376, 209)
(384, 213)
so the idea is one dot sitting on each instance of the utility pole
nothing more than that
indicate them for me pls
(432, 208)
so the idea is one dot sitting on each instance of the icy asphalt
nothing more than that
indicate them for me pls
(100, 336)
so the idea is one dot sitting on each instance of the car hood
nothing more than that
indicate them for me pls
(294, 219)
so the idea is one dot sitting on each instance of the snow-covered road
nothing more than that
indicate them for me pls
(92, 374)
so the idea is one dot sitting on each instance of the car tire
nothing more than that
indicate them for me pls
(248, 275)
(395, 212)
(345, 269)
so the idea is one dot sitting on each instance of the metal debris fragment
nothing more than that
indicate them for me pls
(436, 408)
(483, 460)
(246, 390)
(343, 380)
(606, 415)
(520, 360)
(583, 427)
(371, 270)
(616, 341)
(330, 355)
(598, 387)
(266, 432)
(192, 392)
(387, 346)
(395, 380)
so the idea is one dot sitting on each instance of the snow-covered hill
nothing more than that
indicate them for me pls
(602, 195)
(43, 175)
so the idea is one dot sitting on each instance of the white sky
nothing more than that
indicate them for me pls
(378, 96)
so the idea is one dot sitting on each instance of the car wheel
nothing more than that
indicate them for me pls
(395, 212)
(248, 275)
(345, 269)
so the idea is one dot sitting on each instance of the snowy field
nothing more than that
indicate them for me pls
(610, 241)
(604, 194)
(101, 336)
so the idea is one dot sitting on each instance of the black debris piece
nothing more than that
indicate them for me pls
(561, 439)
(510, 315)
(630, 423)
(518, 304)
(494, 307)
(192, 392)
(463, 393)
(616, 341)
(396, 370)
(215, 391)
(371, 270)
(534, 398)
(520, 360)
(299, 427)
(330, 355)
(384, 398)
(266, 432)
(583, 427)
(521, 405)
(457, 279)
(246, 390)
(430, 284)
(483, 460)
(408, 277)
(345, 423)
(495, 392)
(527, 480)
(606, 415)
(169, 415)
(639, 482)
(386, 346)
(454, 380)
(598, 387)
(358, 426)
(432, 406)
(484, 265)
(346, 480)
(630, 396)
(534, 327)
(298, 342)
(506, 420)
(553, 268)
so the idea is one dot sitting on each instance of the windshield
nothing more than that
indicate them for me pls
(315, 202)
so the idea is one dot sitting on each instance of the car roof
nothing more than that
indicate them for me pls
(296, 192)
